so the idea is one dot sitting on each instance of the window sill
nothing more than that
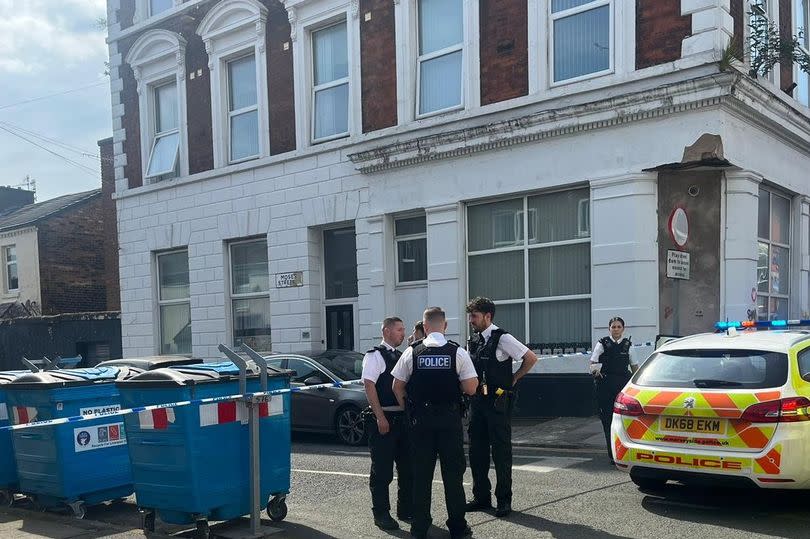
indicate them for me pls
(411, 284)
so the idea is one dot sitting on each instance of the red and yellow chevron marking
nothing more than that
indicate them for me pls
(728, 406)
(770, 463)
(767, 465)
(619, 447)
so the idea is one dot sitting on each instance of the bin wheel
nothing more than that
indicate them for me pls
(6, 498)
(79, 510)
(147, 521)
(203, 532)
(277, 509)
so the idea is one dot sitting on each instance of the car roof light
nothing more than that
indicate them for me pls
(724, 325)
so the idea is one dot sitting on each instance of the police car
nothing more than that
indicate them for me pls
(729, 408)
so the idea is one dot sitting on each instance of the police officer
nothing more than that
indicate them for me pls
(388, 434)
(611, 366)
(431, 376)
(493, 351)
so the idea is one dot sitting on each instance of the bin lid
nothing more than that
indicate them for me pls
(73, 377)
(149, 363)
(203, 373)
(6, 377)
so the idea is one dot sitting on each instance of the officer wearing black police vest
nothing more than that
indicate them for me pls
(429, 379)
(493, 351)
(387, 429)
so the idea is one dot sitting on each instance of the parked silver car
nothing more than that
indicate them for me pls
(331, 409)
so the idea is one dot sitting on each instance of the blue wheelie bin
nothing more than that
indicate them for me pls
(74, 464)
(8, 466)
(192, 463)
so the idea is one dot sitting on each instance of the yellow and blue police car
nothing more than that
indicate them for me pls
(728, 408)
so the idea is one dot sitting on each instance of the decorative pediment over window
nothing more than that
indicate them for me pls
(156, 52)
(230, 17)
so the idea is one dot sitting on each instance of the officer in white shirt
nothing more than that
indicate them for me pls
(431, 376)
(612, 364)
(387, 428)
(493, 351)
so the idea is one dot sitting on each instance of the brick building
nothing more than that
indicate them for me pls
(289, 172)
(52, 257)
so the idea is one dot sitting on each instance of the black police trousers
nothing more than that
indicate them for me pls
(607, 389)
(491, 436)
(387, 449)
(438, 432)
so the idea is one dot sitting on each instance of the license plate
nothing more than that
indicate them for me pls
(702, 425)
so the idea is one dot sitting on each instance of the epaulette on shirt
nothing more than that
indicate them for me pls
(454, 343)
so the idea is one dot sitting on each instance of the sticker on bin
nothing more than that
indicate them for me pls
(3, 412)
(158, 419)
(98, 437)
(24, 414)
(101, 410)
(220, 413)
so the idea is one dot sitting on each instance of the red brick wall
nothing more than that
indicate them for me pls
(126, 13)
(71, 259)
(738, 40)
(110, 226)
(131, 122)
(786, 32)
(378, 64)
(504, 48)
(280, 88)
(660, 31)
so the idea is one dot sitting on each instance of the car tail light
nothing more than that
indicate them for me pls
(788, 410)
(626, 405)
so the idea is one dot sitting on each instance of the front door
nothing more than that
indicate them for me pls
(340, 327)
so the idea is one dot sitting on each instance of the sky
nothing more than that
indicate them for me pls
(51, 47)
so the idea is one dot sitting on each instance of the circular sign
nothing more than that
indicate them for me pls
(679, 226)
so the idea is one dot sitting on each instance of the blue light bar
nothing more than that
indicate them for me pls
(766, 324)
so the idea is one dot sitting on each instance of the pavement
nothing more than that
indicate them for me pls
(563, 489)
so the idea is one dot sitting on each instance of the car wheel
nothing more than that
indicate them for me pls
(648, 483)
(349, 426)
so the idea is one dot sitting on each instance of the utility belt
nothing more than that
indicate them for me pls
(393, 416)
(501, 399)
(416, 410)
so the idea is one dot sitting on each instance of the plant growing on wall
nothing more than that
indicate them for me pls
(767, 47)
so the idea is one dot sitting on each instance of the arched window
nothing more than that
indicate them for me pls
(157, 59)
(234, 36)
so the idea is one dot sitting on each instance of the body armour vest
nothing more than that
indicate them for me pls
(434, 379)
(385, 381)
(616, 357)
(496, 374)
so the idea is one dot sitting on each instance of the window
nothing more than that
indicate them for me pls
(411, 242)
(581, 37)
(802, 18)
(166, 138)
(340, 263)
(243, 109)
(250, 300)
(773, 268)
(441, 51)
(303, 370)
(532, 256)
(157, 59)
(157, 6)
(330, 76)
(234, 34)
(174, 303)
(12, 277)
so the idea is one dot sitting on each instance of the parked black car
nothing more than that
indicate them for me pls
(331, 409)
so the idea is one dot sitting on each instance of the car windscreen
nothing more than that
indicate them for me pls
(346, 365)
(714, 369)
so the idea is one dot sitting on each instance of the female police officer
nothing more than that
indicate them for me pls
(611, 365)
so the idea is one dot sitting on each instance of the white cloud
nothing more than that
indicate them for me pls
(38, 34)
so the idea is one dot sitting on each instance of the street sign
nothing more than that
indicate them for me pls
(678, 264)
(290, 280)
(678, 227)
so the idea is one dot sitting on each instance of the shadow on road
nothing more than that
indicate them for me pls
(769, 512)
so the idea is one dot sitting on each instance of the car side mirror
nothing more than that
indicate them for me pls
(313, 381)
